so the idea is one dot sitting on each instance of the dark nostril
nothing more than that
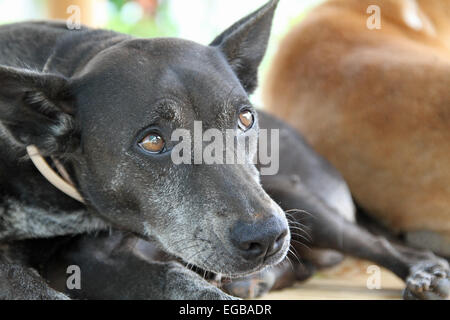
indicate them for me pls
(277, 245)
(252, 249)
(259, 240)
(281, 236)
(249, 246)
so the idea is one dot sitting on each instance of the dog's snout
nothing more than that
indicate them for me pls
(260, 239)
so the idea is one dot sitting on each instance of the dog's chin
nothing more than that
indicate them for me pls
(237, 267)
(268, 262)
(230, 265)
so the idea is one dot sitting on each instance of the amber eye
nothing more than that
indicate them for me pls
(246, 120)
(153, 143)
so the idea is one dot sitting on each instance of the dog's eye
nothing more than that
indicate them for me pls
(153, 143)
(246, 120)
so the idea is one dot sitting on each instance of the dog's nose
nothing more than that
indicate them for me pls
(260, 239)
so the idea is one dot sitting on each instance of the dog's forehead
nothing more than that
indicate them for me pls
(144, 59)
(166, 78)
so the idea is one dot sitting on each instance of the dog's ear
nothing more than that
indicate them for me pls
(244, 44)
(36, 108)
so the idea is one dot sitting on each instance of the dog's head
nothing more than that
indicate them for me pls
(114, 123)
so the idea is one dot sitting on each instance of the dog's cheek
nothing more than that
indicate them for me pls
(114, 202)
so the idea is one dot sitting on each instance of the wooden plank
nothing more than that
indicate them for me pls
(348, 281)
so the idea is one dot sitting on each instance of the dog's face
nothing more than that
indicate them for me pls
(129, 101)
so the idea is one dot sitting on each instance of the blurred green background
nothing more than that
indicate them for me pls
(197, 20)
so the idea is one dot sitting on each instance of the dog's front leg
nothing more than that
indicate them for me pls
(111, 268)
(426, 276)
(19, 282)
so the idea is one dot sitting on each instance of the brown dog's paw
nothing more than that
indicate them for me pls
(429, 280)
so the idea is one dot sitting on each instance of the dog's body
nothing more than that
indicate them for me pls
(54, 95)
(384, 120)
(92, 99)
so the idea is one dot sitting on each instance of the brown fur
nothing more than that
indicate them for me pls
(376, 103)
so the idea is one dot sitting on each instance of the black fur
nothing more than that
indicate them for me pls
(86, 97)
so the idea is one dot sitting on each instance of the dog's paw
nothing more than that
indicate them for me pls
(428, 280)
(250, 287)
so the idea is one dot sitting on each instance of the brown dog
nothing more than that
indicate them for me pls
(375, 100)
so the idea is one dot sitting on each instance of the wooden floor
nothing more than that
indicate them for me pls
(348, 281)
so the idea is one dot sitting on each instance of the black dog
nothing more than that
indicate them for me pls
(105, 105)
